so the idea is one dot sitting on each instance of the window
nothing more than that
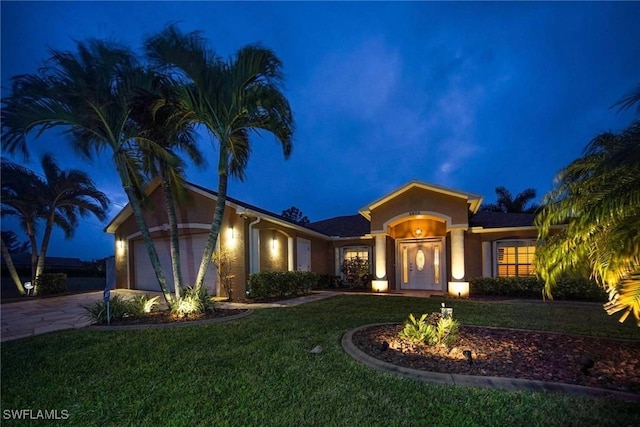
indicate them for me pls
(515, 258)
(350, 253)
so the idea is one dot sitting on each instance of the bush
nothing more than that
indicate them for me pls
(51, 284)
(121, 308)
(433, 329)
(192, 303)
(567, 288)
(279, 284)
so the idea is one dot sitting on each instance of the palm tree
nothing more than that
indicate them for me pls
(68, 194)
(231, 99)
(507, 203)
(88, 93)
(22, 190)
(10, 245)
(598, 198)
(160, 118)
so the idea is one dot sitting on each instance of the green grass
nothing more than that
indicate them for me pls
(257, 371)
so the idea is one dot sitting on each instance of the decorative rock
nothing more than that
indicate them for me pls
(316, 350)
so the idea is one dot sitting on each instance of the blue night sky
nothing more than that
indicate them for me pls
(466, 95)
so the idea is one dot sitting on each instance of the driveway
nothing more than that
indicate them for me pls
(38, 316)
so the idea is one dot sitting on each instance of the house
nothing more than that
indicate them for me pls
(419, 237)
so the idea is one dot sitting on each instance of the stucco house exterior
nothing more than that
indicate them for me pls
(419, 237)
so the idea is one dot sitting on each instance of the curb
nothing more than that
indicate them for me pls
(502, 383)
(170, 325)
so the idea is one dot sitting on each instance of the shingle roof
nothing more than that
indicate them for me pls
(343, 226)
(501, 219)
(24, 259)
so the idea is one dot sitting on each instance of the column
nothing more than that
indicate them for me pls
(290, 264)
(380, 284)
(458, 287)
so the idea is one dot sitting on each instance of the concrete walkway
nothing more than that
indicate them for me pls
(38, 316)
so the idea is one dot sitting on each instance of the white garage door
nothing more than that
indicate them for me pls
(191, 248)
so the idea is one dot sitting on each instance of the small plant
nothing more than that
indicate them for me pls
(192, 303)
(142, 305)
(417, 330)
(432, 329)
(119, 308)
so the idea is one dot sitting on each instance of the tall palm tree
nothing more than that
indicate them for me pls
(88, 93)
(161, 119)
(231, 99)
(68, 195)
(22, 191)
(507, 203)
(598, 198)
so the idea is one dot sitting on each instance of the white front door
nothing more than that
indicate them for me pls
(420, 265)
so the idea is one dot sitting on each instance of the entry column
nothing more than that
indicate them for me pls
(458, 287)
(380, 283)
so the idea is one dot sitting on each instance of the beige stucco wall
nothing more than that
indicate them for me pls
(420, 200)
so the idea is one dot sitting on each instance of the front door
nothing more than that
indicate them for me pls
(420, 265)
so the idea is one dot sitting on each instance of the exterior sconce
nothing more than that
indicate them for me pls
(232, 233)
(120, 244)
(273, 244)
(418, 232)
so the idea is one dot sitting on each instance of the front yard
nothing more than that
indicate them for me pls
(258, 371)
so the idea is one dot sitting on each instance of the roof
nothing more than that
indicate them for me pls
(501, 220)
(24, 259)
(474, 200)
(343, 226)
(235, 203)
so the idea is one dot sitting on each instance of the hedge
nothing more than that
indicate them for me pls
(278, 284)
(567, 288)
(51, 284)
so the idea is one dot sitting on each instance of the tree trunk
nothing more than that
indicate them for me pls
(12, 268)
(216, 223)
(43, 247)
(144, 230)
(34, 255)
(173, 229)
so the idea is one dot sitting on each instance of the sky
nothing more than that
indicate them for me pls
(468, 95)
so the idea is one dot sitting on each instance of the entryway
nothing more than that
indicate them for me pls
(420, 264)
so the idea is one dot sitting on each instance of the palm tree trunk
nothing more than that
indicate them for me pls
(34, 255)
(144, 230)
(216, 223)
(12, 268)
(43, 247)
(173, 230)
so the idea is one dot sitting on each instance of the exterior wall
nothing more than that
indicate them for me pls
(419, 199)
(339, 244)
(273, 250)
(472, 256)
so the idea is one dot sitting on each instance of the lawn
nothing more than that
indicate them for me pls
(257, 371)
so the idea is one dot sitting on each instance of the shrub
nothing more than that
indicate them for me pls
(433, 329)
(567, 288)
(192, 303)
(356, 272)
(51, 284)
(142, 305)
(119, 308)
(278, 284)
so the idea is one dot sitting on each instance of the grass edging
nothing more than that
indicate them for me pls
(171, 324)
(503, 383)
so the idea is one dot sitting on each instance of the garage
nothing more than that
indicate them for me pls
(191, 248)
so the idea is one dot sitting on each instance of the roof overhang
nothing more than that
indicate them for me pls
(240, 209)
(473, 200)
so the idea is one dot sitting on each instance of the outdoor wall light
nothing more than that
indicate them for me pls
(418, 232)
(120, 244)
(232, 232)
(273, 244)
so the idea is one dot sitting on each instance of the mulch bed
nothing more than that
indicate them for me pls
(158, 317)
(514, 354)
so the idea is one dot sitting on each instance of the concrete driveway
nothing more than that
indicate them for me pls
(38, 316)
